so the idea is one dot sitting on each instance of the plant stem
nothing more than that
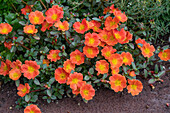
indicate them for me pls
(23, 46)
(43, 4)
(66, 39)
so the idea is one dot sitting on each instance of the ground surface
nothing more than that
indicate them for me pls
(105, 101)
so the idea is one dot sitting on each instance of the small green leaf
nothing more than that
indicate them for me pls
(131, 45)
(151, 81)
(156, 68)
(52, 80)
(49, 93)
(86, 77)
(145, 73)
(104, 76)
(97, 19)
(13, 49)
(36, 81)
(19, 39)
(27, 98)
(160, 74)
(17, 82)
(91, 71)
(96, 81)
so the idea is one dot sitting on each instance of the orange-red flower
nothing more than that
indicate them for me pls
(111, 23)
(5, 67)
(107, 51)
(46, 61)
(68, 66)
(54, 55)
(61, 75)
(30, 69)
(74, 80)
(164, 55)
(32, 109)
(128, 38)
(102, 66)
(90, 24)
(36, 17)
(115, 70)
(117, 82)
(96, 26)
(53, 15)
(14, 74)
(103, 35)
(120, 35)
(116, 60)
(8, 44)
(113, 9)
(77, 91)
(81, 27)
(45, 25)
(16, 64)
(120, 16)
(90, 52)
(87, 91)
(92, 39)
(107, 9)
(140, 41)
(102, 44)
(111, 40)
(77, 57)
(147, 50)
(57, 7)
(5, 28)
(30, 29)
(127, 58)
(132, 73)
(134, 87)
(63, 26)
(23, 89)
(26, 9)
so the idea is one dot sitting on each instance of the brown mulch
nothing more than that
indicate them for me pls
(105, 101)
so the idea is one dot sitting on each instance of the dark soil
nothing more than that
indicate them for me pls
(105, 101)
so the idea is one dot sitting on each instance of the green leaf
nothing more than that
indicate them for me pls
(131, 45)
(156, 68)
(145, 73)
(97, 81)
(134, 66)
(97, 19)
(27, 98)
(86, 78)
(17, 82)
(19, 39)
(48, 1)
(36, 81)
(91, 71)
(13, 49)
(104, 76)
(52, 80)
(160, 74)
(49, 93)
(151, 81)
(34, 98)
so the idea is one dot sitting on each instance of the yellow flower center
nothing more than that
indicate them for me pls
(95, 28)
(164, 54)
(75, 81)
(30, 31)
(114, 61)
(24, 90)
(89, 51)
(54, 16)
(36, 19)
(54, 55)
(105, 37)
(101, 67)
(119, 17)
(62, 76)
(147, 51)
(113, 72)
(78, 57)
(134, 87)
(32, 112)
(125, 59)
(30, 69)
(82, 27)
(117, 82)
(112, 23)
(117, 36)
(5, 68)
(108, 53)
(4, 30)
(68, 67)
(15, 75)
(91, 41)
(86, 92)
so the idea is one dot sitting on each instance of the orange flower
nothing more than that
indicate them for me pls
(134, 87)
(96, 26)
(68, 66)
(32, 109)
(107, 51)
(91, 39)
(62, 26)
(45, 61)
(117, 82)
(53, 56)
(107, 9)
(77, 57)
(111, 23)
(112, 40)
(102, 66)
(164, 55)
(30, 29)
(115, 70)
(14, 74)
(5, 67)
(60, 75)
(102, 44)
(90, 25)
(147, 50)
(127, 58)
(57, 7)
(36, 17)
(74, 80)
(8, 44)
(53, 15)
(120, 35)
(90, 52)
(116, 60)
(81, 27)
(132, 73)
(120, 16)
(30, 69)
(26, 9)
(140, 41)
(127, 38)
(5, 28)
(23, 89)
(113, 9)
(103, 35)
(16, 64)
(45, 25)
(87, 91)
